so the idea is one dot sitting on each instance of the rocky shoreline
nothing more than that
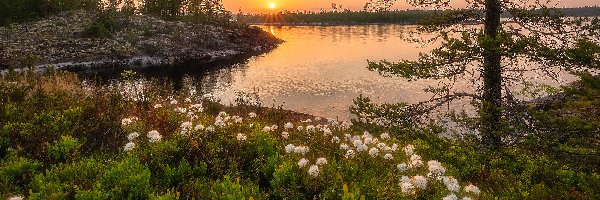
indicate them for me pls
(58, 41)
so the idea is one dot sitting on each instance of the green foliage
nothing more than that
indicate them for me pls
(352, 195)
(227, 189)
(24, 10)
(64, 149)
(287, 182)
(16, 172)
(200, 11)
(127, 179)
(105, 25)
(81, 155)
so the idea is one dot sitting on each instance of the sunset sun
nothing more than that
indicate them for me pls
(272, 5)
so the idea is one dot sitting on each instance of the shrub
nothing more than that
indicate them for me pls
(66, 148)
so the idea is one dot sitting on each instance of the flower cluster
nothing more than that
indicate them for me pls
(128, 121)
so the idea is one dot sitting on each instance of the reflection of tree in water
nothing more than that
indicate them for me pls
(202, 78)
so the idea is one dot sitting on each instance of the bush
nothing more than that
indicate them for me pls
(66, 148)
(107, 23)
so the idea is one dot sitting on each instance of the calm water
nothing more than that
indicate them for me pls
(319, 70)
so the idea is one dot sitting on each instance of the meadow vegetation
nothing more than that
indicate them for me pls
(61, 138)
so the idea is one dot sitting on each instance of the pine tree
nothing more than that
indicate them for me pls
(512, 38)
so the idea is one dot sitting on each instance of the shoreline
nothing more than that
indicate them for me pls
(143, 41)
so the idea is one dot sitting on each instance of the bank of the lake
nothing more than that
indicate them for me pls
(87, 39)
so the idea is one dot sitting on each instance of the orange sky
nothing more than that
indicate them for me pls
(258, 6)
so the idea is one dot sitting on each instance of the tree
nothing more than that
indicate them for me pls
(532, 38)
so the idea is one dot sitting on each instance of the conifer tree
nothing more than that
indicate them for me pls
(510, 38)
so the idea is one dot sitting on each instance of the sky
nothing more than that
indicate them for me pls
(262, 6)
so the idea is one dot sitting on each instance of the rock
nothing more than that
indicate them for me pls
(60, 41)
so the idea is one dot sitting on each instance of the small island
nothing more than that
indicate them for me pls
(105, 38)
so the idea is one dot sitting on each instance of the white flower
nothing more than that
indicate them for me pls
(222, 114)
(173, 102)
(313, 171)
(266, 129)
(373, 151)
(184, 132)
(467, 198)
(274, 127)
(252, 115)
(301, 149)
(368, 140)
(420, 182)
(321, 161)
(451, 196)
(158, 105)
(186, 125)
(394, 147)
(405, 179)
(326, 131)
(181, 110)
(366, 134)
(310, 128)
(362, 147)
(346, 125)
(18, 197)
(375, 141)
(300, 128)
(197, 107)
(406, 187)
(451, 183)
(290, 148)
(188, 100)
(472, 189)
(288, 125)
(302, 162)
(415, 161)
(154, 136)
(344, 146)
(436, 168)
(238, 119)
(409, 150)
(132, 136)
(385, 136)
(219, 123)
(388, 156)
(241, 137)
(210, 129)
(402, 167)
(126, 121)
(129, 146)
(357, 143)
(347, 136)
(350, 153)
(335, 139)
(199, 127)
(285, 135)
(381, 146)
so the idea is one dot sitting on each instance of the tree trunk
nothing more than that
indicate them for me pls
(492, 76)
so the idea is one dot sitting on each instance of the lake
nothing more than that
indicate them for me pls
(319, 70)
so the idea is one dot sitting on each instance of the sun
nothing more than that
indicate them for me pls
(272, 5)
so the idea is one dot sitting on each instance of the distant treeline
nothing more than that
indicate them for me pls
(14, 11)
(365, 17)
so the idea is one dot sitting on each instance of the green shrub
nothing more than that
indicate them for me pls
(227, 189)
(66, 148)
(105, 25)
(127, 179)
(16, 172)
